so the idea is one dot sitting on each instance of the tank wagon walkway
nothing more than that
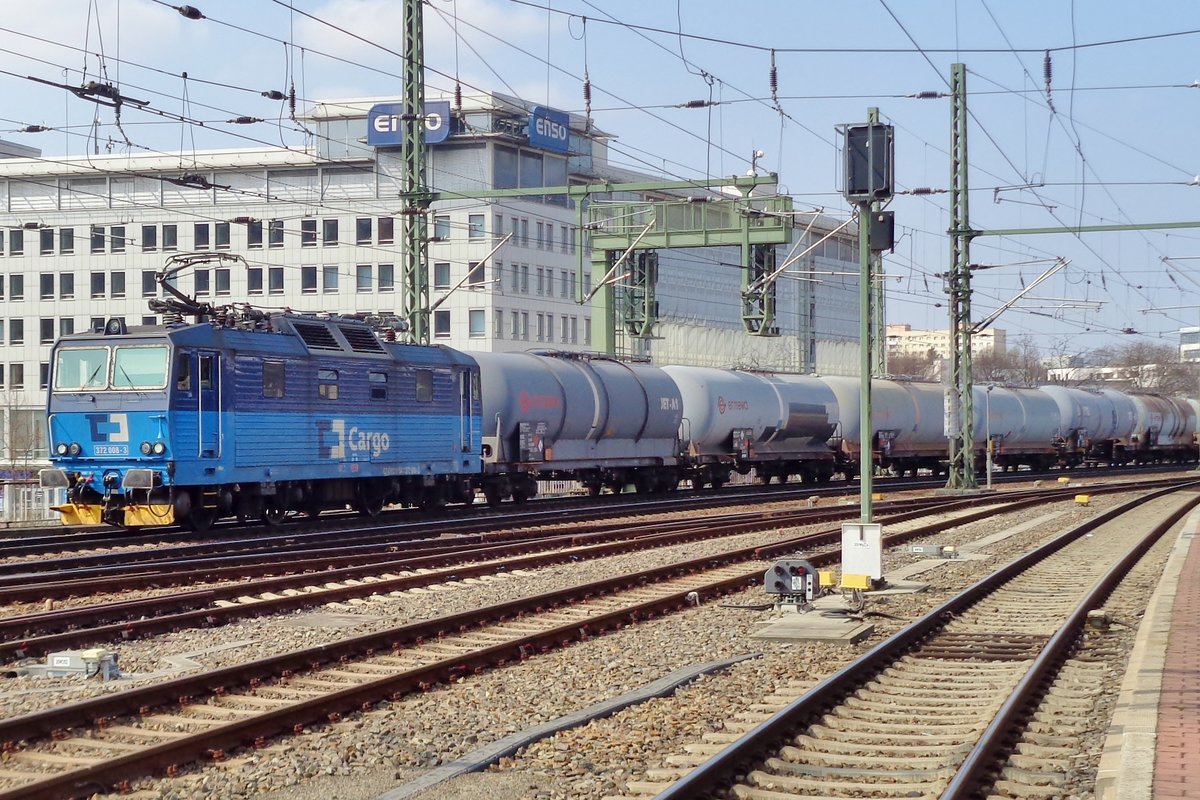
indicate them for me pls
(1153, 749)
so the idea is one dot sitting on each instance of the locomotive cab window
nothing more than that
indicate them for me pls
(140, 367)
(327, 383)
(273, 379)
(183, 372)
(207, 366)
(424, 386)
(81, 369)
(378, 384)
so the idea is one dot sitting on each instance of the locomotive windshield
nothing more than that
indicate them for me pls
(81, 369)
(87, 369)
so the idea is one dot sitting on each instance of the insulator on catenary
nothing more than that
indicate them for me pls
(457, 96)
(191, 12)
(274, 94)
(774, 79)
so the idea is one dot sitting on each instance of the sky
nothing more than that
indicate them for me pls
(1107, 137)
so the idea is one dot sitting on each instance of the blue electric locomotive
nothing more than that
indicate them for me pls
(256, 416)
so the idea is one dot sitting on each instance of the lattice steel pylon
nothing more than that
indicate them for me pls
(413, 188)
(960, 419)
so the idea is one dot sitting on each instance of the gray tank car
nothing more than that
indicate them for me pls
(1164, 429)
(776, 424)
(592, 419)
(907, 422)
(1023, 423)
(1092, 423)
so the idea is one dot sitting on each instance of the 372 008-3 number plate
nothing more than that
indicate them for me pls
(112, 449)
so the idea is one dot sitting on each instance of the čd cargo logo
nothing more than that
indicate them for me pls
(724, 405)
(335, 442)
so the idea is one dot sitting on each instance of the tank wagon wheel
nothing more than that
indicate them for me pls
(594, 489)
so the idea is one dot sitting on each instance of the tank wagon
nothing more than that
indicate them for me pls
(778, 425)
(1023, 424)
(256, 417)
(603, 422)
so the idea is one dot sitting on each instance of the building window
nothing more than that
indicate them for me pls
(97, 238)
(46, 331)
(475, 275)
(387, 230)
(515, 229)
(329, 232)
(362, 278)
(203, 284)
(66, 326)
(524, 232)
(96, 325)
(222, 277)
(66, 286)
(1, 242)
(497, 228)
(16, 287)
(16, 376)
(549, 236)
(202, 232)
(441, 227)
(475, 228)
(149, 238)
(308, 233)
(99, 281)
(476, 323)
(170, 237)
(525, 325)
(564, 328)
(275, 280)
(516, 278)
(47, 241)
(43, 374)
(329, 278)
(66, 241)
(116, 285)
(149, 283)
(46, 286)
(441, 275)
(441, 324)
(254, 234)
(362, 230)
(574, 330)
(327, 384)
(16, 331)
(524, 279)
(275, 233)
(498, 323)
(562, 239)
(587, 330)
(540, 241)
(387, 278)
(377, 381)
(222, 230)
(308, 280)
(16, 243)
(150, 320)
(563, 286)
(117, 238)
(254, 280)
(514, 324)
(541, 326)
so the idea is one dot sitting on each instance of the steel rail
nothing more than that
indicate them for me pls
(720, 769)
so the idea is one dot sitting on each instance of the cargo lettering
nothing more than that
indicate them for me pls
(356, 440)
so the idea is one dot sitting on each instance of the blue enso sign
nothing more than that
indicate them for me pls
(549, 129)
(384, 123)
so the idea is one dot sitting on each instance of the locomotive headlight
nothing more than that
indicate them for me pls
(61, 448)
(159, 448)
(145, 448)
(74, 449)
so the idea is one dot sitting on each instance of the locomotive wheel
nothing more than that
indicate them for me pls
(201, 519)
(369, 502)
(492, 494)
(274, 515)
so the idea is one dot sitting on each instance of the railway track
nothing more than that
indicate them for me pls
(71, 750)
(319, 582)
(933, 711)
